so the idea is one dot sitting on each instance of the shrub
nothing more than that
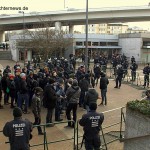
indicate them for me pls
(142, 106)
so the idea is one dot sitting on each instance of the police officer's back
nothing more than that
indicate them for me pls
(91, 123)
(18, 131)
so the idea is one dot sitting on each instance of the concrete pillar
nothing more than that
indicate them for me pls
(2, 36)
(58, 26)
(29, 55)
(71, 29)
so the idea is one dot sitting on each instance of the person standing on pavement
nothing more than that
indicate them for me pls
(73, 94)
(103, 87)
(91, 123)
(146, 72)
(133, 68)
(119, 76)
(23, 96)
(91, 96)
(50, 98)
(4, 82)
(18, 131)
(84, 85)
(12, 88)
(1, 106)
(36, 108)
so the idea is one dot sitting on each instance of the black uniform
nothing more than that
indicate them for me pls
(146, 72)
(91, 123)
(19, 133)
(133, 68)
(119, 77)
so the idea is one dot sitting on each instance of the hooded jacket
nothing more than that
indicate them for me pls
(91, 96)
(73, 94)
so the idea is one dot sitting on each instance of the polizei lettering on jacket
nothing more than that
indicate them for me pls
(21, 125)
(94, 117)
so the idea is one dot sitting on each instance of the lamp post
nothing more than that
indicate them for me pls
(86, 48)
(64, 4)
(22, 12)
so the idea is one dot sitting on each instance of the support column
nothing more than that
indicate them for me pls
(2, 36)
(58, 26)
(29, 55)
(71, 29)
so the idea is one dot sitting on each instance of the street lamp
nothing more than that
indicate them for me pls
(22, 12)
(86, 48)
(64, 4)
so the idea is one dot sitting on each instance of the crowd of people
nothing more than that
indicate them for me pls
(60, 86)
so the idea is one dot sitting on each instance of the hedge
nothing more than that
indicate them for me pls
(142, 106)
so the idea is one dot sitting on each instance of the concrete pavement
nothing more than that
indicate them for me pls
(116, 98)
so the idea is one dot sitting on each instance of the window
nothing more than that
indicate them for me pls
(94, 43)
(79, 43)
(89, 43)
(103, 43)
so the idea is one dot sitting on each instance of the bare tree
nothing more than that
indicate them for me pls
(45, 40)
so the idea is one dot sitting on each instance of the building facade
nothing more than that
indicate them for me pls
(130, 44)
(97, 43)
(137, 45)
(106, 28)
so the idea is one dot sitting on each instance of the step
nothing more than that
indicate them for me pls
(5, 55)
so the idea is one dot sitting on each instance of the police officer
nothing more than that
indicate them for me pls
(18, 131)
(133, 68)
(91, 123)
(146, 72)
(119, 77)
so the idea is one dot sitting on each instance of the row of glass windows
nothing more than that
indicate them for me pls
(97, 43)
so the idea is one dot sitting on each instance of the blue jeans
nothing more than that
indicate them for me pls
(103, 95)
(23, 98)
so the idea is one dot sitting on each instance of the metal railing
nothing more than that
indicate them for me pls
(45, 142)
(76, 136)
(122, 119)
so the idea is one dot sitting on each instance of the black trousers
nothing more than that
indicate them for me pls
(146, 80)
(71, 107)
(92, 143)
(38, 122)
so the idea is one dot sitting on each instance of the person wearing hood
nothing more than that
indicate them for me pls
(73, 94)
(103, 87)
(36, 108)
(90, 97)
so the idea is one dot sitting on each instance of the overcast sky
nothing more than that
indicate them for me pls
(49, 5)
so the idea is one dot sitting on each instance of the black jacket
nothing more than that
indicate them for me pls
(23, 87)
(84, 84)
(91, 96)
(91, 123)
(104, 82)
(50, 97)
(19, 133)
(73, 94)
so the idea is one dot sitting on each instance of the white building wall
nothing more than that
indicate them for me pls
(131, 47)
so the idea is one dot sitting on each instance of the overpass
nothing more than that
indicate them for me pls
(71, 17)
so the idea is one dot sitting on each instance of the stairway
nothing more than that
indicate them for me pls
(5, 55)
